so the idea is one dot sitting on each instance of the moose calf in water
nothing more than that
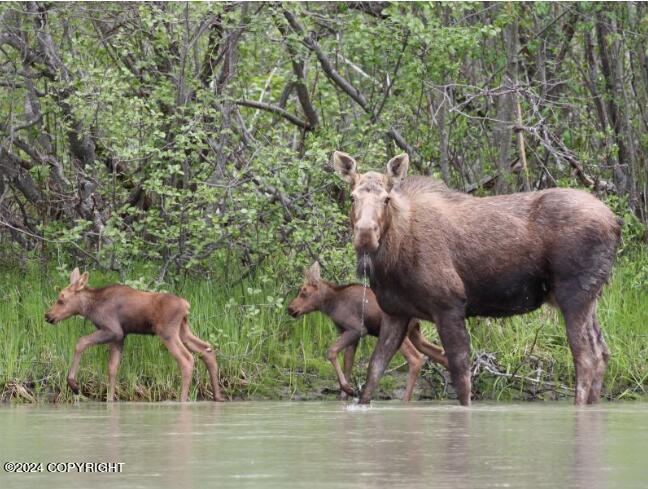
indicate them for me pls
(118, 310)
(343, 304)
(443, 256)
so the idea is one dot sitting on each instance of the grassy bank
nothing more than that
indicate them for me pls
(263, 353)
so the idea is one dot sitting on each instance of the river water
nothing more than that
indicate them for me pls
(326, 445)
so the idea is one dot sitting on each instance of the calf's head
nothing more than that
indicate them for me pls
(310, 295)
(70, 300)
(371, 194)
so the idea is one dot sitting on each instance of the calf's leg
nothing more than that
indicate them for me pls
(98, 337)
(207, 354)
(185, 362)
(432, 351)
(392, 332)
(452, 330)
(116, 349)
(415, 361)
(349, 355)
(346, 339)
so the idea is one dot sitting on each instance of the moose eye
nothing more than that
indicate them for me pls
(353, 199)
(386, 200)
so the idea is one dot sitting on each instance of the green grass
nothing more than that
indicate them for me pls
(264, 354)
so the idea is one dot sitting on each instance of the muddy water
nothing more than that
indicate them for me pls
(327, 445)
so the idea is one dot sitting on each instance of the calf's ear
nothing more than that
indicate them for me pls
(82, 282)
(312, 274)
(345, 166)
(74, 276)
(397, 168)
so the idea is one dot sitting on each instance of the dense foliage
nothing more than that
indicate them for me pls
(196, 136)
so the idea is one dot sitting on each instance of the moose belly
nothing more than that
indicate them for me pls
(136, 323)
(506, 296)
(399, 301)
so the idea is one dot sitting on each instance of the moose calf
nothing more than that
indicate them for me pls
(118, 310)
(343, 304)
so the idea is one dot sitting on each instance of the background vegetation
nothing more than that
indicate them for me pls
(185, 146)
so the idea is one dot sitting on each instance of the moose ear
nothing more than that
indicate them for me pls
(345, 166)
(397, 168)
(74, 276)
(83, 281)
(312, 274)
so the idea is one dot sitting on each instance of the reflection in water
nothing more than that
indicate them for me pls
(455, 458)
(328, 445)
(171, 427)
(587, 470)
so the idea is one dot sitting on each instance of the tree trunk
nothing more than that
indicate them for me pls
(502, 134)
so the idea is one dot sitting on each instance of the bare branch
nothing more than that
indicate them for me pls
(349, 89)
(275, 109)
(327, 66)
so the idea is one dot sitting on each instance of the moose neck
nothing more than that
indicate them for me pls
(86, 298)
(328, 298)
(391, 243)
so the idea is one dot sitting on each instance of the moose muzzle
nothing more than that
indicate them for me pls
(366, 237)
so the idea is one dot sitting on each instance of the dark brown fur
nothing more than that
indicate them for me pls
(444, 256)
(117, 311)
(343, 304)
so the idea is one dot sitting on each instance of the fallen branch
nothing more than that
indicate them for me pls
(485, 362)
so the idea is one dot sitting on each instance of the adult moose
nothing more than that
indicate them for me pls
(441, 255)
(118, 310)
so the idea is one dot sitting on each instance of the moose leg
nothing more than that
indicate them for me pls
(349, 355)
(602, 355)
(346, 339)
(185, 362)
(432, 351)
(96, 338)
(206, 353)
(456, 343)
(415, 361)
(392, 331)
(113, 364)
(578, 320)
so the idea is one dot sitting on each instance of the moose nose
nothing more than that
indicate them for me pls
(366, 229)
(292, 312)
(366, 238)
(49, 318)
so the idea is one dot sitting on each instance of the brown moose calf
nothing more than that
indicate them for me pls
(118, 310)
(343, 304)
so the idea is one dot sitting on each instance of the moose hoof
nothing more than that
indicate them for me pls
(219, 398)
(74, 387)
